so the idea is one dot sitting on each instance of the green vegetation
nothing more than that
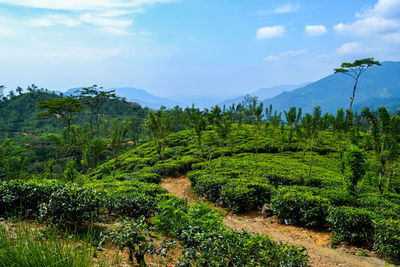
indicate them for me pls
(337, 173)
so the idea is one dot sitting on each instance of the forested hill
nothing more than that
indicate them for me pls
(378, 86)
(18, 114)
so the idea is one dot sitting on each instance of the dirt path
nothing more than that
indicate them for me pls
(317, 243)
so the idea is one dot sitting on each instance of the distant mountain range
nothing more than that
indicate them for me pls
(262, 93)
(378, 86)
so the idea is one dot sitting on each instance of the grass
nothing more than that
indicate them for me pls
(27, 245)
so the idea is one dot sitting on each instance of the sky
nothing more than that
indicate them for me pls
(175, 48)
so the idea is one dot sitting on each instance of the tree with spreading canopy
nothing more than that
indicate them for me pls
(355, 70)
(65, 108)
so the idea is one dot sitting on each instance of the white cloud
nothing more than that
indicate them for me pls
(77, 5)
(290, 53)
(270, 32)
(351, 48)
(375, 31)
(105, 14)
(53, 20)
(381, 19)
(111, 25)
(288, 8)
(314, 30)
(368, 26)
(383, 8)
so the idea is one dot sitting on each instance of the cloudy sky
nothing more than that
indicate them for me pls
(189, 47)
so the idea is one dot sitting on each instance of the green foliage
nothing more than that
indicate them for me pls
(12, 160)
(66, 108)
(300, 208)
(129, 198)
(134, 235)
(207, 241)
(355, 161)
(22, 198)
(353, 225)
(242, 195)
(387, 238)
(70, 173)
(71, 205)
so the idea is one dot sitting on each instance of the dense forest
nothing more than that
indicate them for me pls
(88, 169)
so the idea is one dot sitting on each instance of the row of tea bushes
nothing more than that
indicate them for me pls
(73, 204)
(377, 228)
(199, 226)
(50, 200)
(208, 242)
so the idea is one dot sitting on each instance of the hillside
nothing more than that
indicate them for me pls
(378, 86)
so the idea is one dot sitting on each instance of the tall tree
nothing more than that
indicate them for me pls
(355, 70)
(223, 127)
(341, 126)
(159, 124)
(273, 120)
(355, 159)
(255, 113)
(1, 91)
(293, 117)
(312, 125)
(386, 139)
(94, 98)
(198, 123)
(19, 90)
(65, 108)
(118, 134)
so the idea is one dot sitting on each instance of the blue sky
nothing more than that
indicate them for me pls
(189, 47)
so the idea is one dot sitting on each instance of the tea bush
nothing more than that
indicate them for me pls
(71, 204)
(242, 195)
(354, 225)
(300, 208)
(208, 242)
(22, 198)
(387, 239)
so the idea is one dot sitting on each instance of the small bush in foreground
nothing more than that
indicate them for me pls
(387, 239)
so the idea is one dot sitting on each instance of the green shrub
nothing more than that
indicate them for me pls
(300, 208)
(353, 225)
(165, 169)
(139, 176)
(209, 186)
(387, 239)
(132, 205)
(207, 241)
(71, 205)
(241, 195)
(338, 197)
(22, 198)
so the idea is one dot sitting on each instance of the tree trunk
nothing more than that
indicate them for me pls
(354, 93)
(140, 260)
(311, 158)
(381, 174)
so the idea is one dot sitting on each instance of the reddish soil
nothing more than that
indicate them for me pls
(317, 243)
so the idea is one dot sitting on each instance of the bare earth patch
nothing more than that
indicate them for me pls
(316, 243)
